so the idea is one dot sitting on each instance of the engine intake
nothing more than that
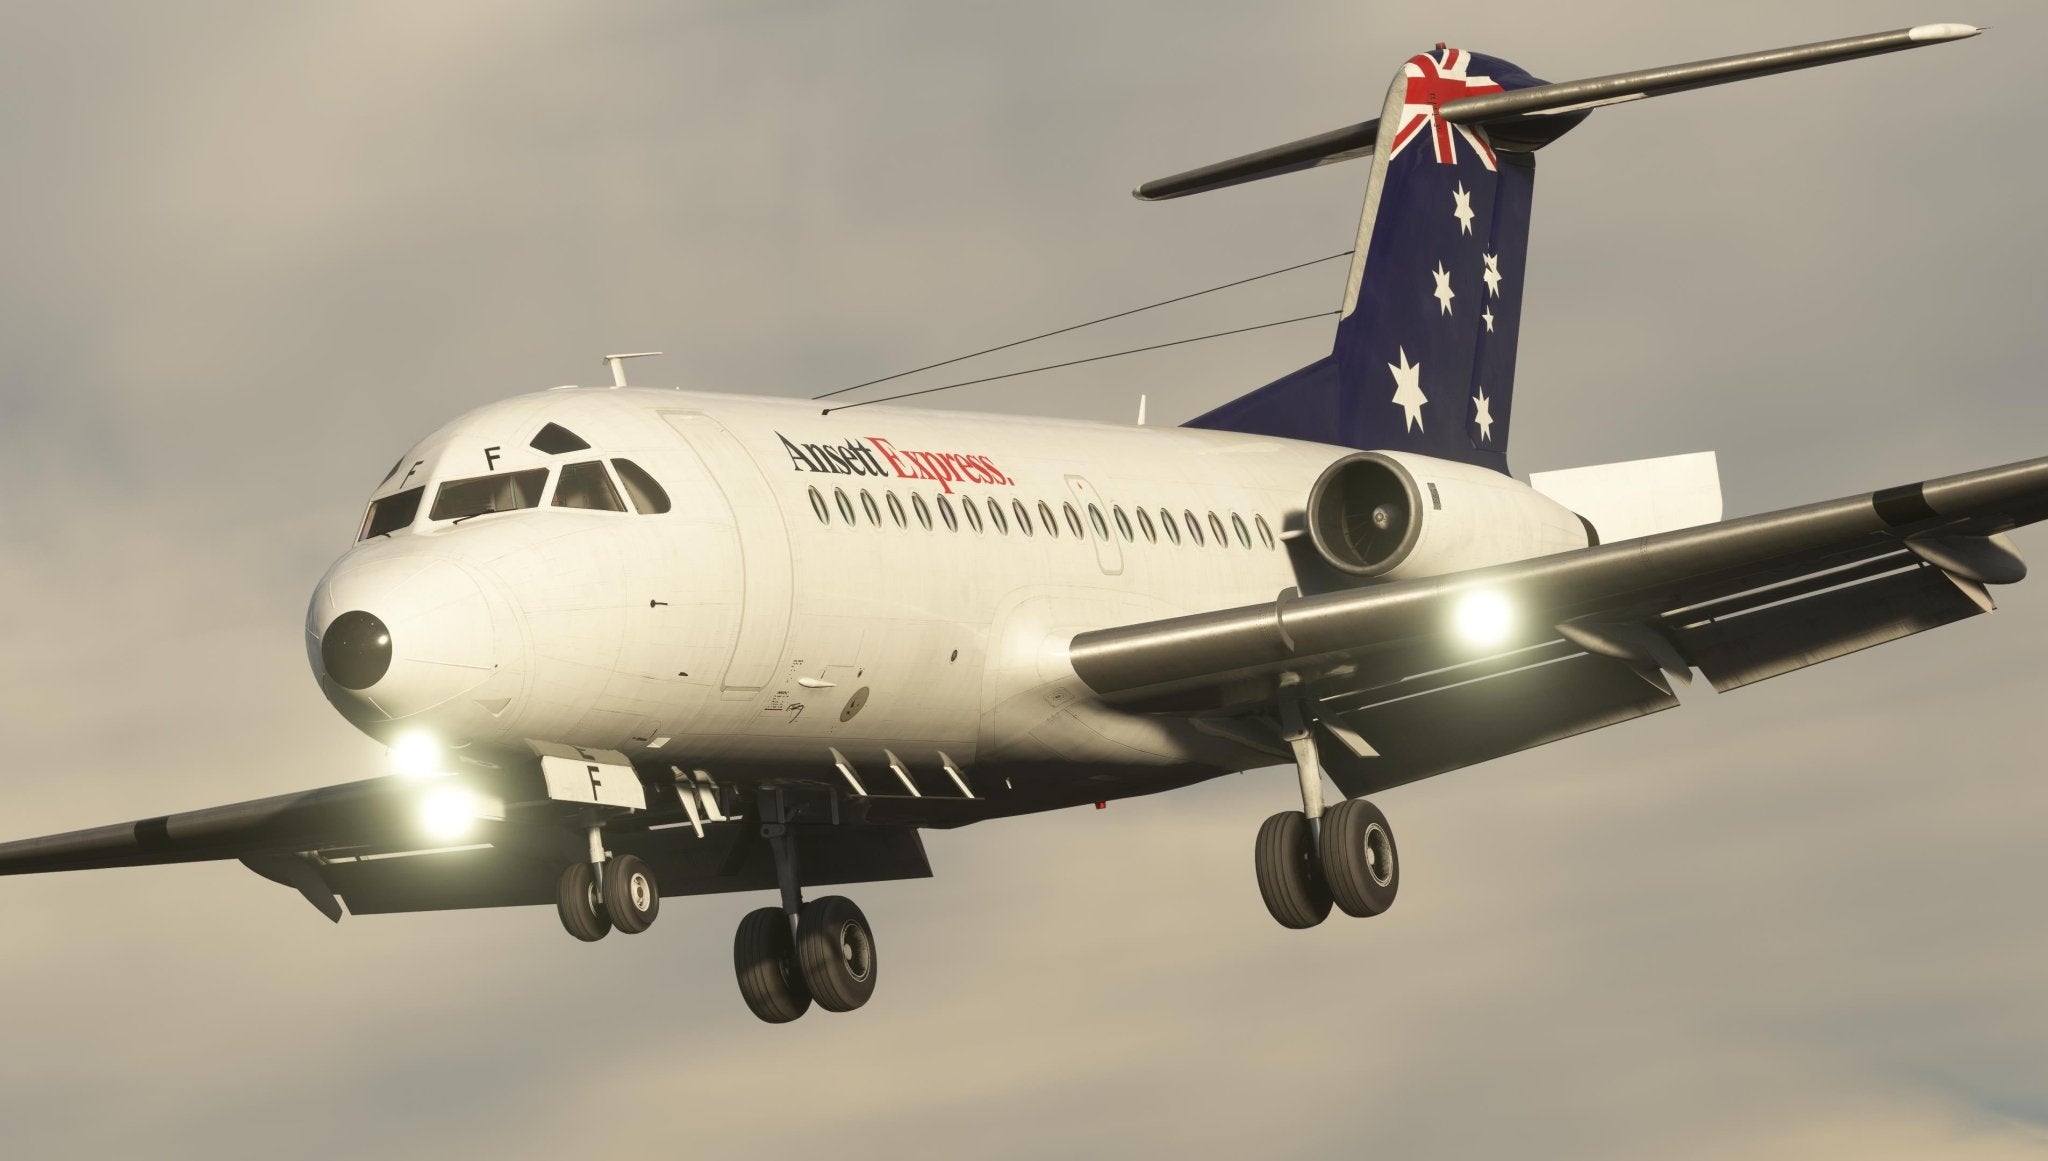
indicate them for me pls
(1398, 515)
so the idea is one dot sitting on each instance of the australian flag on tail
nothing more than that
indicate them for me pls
(1424, 359)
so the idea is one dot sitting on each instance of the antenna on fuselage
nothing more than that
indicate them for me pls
(1141, 411)
(618, 365)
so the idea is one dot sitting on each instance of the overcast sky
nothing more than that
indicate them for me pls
(253, 251)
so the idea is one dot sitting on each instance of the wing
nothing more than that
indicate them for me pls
(370, 844)
(1399, 692)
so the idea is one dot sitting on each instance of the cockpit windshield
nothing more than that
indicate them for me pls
(477, 495)
(391, 513)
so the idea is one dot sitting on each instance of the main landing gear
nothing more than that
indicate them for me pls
(789, 956)
(1310, 858)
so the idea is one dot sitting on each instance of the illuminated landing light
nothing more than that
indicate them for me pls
(1483, 618)
(451, 813)
(417, 755)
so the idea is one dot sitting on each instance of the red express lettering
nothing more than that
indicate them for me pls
(942, 468)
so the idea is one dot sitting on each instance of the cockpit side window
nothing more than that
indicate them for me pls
(648, 495)
(586, 485)
(477, 495)
(391, 513)
(555, 439)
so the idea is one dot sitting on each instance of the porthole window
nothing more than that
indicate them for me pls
(1023, 516)
(1123, 522)
(946, 514)
(1045, 517)
(867, 504)
(845, 505)
(1194, 526)
(972, 513)
(648, 496)
(1237, 526)
(1168, 525)
(1265, 531)
(818, 506)
(1145, 526)
(1216, 529)
(1095, 518)
(895, 508)
(996, 517)
(923, 510)
(1073, 521)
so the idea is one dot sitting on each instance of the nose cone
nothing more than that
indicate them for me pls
(396, 634)
(356, 650)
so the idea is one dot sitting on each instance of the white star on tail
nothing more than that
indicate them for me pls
(1408, 390)
(1492, 275)
(1443, 293)
(1488, 316)
(1463, 212)
(1482, 417)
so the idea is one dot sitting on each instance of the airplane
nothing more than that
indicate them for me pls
(626, 643)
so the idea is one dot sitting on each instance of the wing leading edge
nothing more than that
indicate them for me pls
(1593, 633)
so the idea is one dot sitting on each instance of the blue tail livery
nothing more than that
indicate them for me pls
(1424, 358)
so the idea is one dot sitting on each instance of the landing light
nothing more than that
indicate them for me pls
(416, 754)
(451, 812)
(1483, 618)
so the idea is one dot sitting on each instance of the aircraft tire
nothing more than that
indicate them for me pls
(1359, 859)
(837, 951)
(577, 903)
(1290, 876)
(632, 897)
(764, 959)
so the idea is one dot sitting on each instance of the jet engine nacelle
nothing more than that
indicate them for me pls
(1399, 515)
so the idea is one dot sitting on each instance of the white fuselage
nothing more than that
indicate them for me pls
(816, 584)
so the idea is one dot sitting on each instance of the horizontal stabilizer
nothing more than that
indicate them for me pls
(1510, 116)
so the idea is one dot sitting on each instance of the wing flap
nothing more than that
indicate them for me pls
(1750, 646)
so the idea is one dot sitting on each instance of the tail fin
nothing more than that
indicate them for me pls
(1424, 359)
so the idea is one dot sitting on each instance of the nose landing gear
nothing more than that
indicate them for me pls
(607, 892)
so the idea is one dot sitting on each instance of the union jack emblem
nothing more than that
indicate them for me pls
(1431, 82)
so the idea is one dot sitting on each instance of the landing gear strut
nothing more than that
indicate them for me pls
(785, 957)
(1309, 858)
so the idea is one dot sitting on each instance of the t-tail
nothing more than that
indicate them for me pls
(1424, 357)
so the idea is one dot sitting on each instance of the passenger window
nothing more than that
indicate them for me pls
(1052, 527)
(1237, 526)
(924, 512)
(1123, 522)
(996, 517)
(1145, 526)
(845, 505)
(1095, 518)
(648, 497)
(1073, 521)
(946, 514)
(1167, 524)
(555, 439)
(867, 505)
(1023, 516)
(895, 508)
(818, 506)
(1194, 527)
(1216, 528)
(973, 513)
(392, 512)
(1265, 531)
(504, 492)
